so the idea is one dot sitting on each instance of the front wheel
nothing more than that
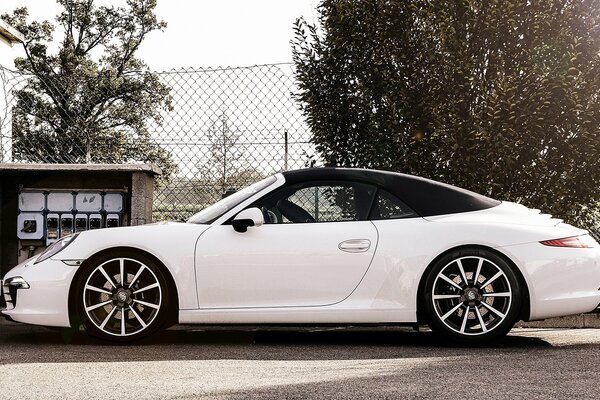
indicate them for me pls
(122, 297)
(472, 296)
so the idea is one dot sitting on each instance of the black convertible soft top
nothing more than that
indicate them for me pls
(424, 196)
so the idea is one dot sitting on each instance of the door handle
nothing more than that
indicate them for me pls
(355, 245)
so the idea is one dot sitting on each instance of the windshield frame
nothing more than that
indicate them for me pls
(222, 207)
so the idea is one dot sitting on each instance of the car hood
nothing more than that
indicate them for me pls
(161, 237)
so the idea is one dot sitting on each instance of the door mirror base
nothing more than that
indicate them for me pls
(247, 218)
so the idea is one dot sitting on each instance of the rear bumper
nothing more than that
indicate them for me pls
(561, 281)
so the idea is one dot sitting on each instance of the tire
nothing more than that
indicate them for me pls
(472, 296)
(102, 298)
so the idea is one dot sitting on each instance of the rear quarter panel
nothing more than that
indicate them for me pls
(407, 247)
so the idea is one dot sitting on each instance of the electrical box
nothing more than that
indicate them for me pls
(40, 203)
(48, 215)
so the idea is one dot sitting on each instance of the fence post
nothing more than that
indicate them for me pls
(285, 154)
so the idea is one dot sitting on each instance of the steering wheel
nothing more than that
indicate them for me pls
(269, 216)
(294, 212)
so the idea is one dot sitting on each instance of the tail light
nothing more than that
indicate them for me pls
(580, 242)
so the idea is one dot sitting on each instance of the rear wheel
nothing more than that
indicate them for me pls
(122, 297)
(472, 296)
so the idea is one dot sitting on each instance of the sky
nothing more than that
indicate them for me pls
(208, 33)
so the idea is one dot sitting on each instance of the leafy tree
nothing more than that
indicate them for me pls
(91, 99)
(498, 96)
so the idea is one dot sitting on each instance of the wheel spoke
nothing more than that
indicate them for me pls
(108, 278)
(155, 306)
(122, 270)
(483, 327)
(492, 309)
(499, 294)
(492, 279)
(136, 315)
(137, 275)
(452, 311)
(110, 314)
(146, 288)
(95, 289)
(450, 281)
(464, 322)
(445, 296)
(123, 313)
(463, 276)
(95, 306)
(479, 265)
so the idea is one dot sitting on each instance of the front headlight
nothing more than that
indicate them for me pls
(56, 248)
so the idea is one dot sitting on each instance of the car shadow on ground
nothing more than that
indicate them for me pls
(343, 336)
(182, 336)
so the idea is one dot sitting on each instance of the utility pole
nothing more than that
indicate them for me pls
(224, 131)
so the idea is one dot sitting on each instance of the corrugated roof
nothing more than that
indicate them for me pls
(9, 33)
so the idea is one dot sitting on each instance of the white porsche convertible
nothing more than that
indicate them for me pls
(318, 246)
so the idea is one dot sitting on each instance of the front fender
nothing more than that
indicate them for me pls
(173, 244)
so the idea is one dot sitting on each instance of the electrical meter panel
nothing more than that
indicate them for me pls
(52, 229)
(30, 226)
(48, 215)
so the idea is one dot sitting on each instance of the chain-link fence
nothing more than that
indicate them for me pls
(217, 130)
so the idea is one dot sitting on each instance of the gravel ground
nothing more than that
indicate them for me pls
(355, 363)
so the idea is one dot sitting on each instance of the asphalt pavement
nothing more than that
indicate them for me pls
(276, 363)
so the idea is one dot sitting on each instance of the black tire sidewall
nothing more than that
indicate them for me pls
(80, 316)
(499, 331)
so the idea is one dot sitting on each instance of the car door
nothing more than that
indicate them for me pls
(313, 250)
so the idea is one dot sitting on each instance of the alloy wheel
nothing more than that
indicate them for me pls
(472, 295)
(122, 297)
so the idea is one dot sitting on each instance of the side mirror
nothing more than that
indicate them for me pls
(248, 217)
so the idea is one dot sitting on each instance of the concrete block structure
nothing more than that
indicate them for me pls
(39, 203)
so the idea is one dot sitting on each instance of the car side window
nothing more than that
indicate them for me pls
(388, 206)
(318, 202)
(325, 203)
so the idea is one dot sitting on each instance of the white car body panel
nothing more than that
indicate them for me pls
(296, 273)
(561, 281)
(172, 243)
(506, 213)
(46, 301)
(278, 265)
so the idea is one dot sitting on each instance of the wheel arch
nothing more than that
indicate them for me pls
(173, 294)
(526, 303)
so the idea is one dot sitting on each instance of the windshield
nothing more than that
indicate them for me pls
(211, 213)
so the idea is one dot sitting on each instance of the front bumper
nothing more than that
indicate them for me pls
(3, 305)
(45, 300)
(8, 291)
